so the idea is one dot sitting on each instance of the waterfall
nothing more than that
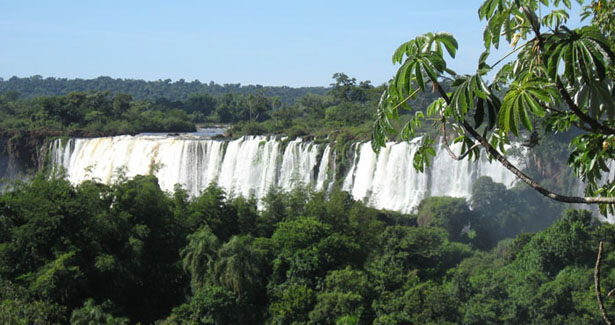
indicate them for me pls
(251, 165)
(389, 181)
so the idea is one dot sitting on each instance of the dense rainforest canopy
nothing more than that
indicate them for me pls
(129, 252)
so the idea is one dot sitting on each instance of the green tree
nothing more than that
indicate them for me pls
(346, 89)
(558, 78)
(308, 248)
(17, 308)
(504, 213)
(203, 103)
(199, 256)
(210, 304)
(212, 209)
(135, 245)
(91, 313)
(452, 214)
(291, 303)
(241, 268)
(347, 293)
(121, 104)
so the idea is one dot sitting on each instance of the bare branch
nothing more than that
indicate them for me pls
(597, 286)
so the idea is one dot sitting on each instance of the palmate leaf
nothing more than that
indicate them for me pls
(504, 18)
(418, 75)
(382, 125)
(378, 137)
(409, 130)
(588, 159)
(405, 49)
(404, 78)
(415, 69)
(381, 128)
(555, 18)
(508, 18)
(524, 97)
(449, 42)
(436, 108)
(435, 43)
(596, 97)
(468, 89)
(584, 52)
(424, 153)
(489, 106)
(422, 56)
(483, 59)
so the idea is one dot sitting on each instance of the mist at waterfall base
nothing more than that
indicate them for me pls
(251, 165)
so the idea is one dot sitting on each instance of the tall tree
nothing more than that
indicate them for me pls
(199, 256)
(240, 267)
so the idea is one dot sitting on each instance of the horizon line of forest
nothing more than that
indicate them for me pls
(112, 106)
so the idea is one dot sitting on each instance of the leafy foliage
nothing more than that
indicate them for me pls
(128, 252)
(89, 114)
(558, 80)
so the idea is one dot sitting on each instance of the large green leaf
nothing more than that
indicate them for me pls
(526, 96)
(424, 153)
(585, 54)
(467, 91)
(449, 42)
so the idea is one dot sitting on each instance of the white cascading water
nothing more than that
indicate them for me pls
(389, 181)
(250, 166)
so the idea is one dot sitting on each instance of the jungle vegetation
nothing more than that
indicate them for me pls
(129, 252)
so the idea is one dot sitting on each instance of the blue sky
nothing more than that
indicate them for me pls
(294, 43)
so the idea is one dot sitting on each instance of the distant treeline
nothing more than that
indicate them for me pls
(37, 86)
(106, 106)
(88, 114)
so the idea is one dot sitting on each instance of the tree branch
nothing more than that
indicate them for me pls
(597, 286)
(517, 172)
(529, 181)
(448, 148)
(594, 124)
(560, 112)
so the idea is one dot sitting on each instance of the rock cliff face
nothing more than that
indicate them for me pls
(24, 152)
(251, 165)
(21, 153)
